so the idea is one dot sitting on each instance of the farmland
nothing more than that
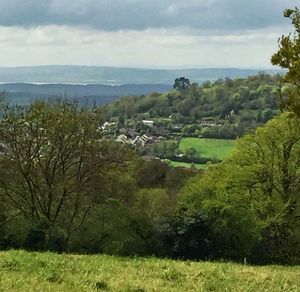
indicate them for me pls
(187, 165)
(210, 148)
(24, 271)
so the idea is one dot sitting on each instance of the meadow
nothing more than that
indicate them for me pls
(209, 148)
(32, 271)
(187, 165)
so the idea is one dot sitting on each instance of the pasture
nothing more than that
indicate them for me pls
(31, 271)
(187, 165)
(209, 148)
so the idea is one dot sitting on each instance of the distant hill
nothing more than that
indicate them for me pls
(24, 93)
(220, 109)
(117, 76)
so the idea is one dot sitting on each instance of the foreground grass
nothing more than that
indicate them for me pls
(24, 271)
(209, 148)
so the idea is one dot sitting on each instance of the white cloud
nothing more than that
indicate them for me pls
(149, 48)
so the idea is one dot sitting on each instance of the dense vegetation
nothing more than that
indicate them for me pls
(230, 106)
(64, 186)
(254, 194)
(288, 57)
(22, 271)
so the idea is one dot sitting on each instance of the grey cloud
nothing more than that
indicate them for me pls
(142, 14)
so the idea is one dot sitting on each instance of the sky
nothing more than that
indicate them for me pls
(142, 33)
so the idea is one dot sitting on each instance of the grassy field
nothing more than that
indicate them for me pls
(210, 148)
(24, 271)
(187, 165)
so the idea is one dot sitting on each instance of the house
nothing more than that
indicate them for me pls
(136, 141)
(210, 122)
(107, 125)
(132, 133)
(146, 140)
(141, 141)
(122, 139)
(148, 123)
(178, 126)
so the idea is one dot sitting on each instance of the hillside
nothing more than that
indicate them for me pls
(23, 271)
(115, 75)
(24, 93)
(225, 108)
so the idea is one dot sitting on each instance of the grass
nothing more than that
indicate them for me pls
(24, 271)
(187, 165)
(209, 148)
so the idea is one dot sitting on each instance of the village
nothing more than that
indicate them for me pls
(141, 134)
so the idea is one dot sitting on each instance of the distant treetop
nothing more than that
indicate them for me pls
(181, 83)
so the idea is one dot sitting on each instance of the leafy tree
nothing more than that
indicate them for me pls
(254, 194)
(191, 152)
(52, 164)
(187, 236)
(153, 202)
(2, 102)
(288, 57)
(233, 227)
(181, 83)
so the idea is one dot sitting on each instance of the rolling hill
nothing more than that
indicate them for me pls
(117, 76)
(24, 93)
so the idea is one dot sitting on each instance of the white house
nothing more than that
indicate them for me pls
(148, 123)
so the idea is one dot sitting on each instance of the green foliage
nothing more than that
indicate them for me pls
(153, 202)
(236, 104)
(164, 149)
(64, 187)
(181, 83)
(288, 57)
(187, 236)
(253, 197)
(233, 227)
(51, 165)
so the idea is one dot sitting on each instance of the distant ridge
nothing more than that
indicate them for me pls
(69, 74)
(24, 93)
(84, 90)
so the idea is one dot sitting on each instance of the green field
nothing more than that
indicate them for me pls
(187, 165)
(24, 271)
(209, 148)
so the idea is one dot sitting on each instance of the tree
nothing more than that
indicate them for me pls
(191, 152)
(2, 101)
(181, 83)
(233, 226)
(288, 57)
(52, 164)
(255, 193)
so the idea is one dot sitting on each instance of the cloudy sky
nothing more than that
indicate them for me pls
(142, 33)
